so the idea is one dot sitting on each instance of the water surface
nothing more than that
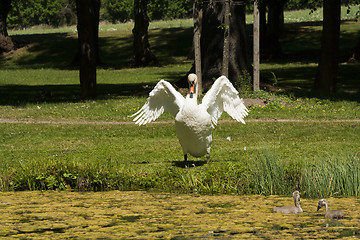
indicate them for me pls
(148, 215)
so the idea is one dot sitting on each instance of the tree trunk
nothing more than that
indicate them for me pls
(256, 48)
(88, 24)
(197, 15)
(275, 27)
(263, 27)
(355, 54)
(212, 43)
(6, 43)
(328, 65)
(142, 53)
(226, 47)
(95, 30)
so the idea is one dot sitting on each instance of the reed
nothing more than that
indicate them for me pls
(333, 176)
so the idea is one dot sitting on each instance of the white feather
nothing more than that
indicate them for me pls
(224, 97)
(162, 98)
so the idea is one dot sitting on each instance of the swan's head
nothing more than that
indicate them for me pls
(322, 202)
(296, 196)
(192, 79)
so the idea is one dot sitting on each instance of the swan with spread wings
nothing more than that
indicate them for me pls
(193, 121)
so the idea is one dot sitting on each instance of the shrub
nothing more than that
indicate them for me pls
(36, 12)
(115, 10)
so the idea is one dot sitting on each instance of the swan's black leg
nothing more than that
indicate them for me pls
(185, 157)
(208, 156)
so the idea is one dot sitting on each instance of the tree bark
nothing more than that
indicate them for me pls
(212, 43)
(355, 54)
(325, 82)
(274, 29)
(6, 43)
(142, 53)
(197, 15)
(88, 24)
(256, 48)
(226, 47)
(95, 30)
(263, 27)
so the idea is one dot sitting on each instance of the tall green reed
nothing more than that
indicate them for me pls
(332, 176)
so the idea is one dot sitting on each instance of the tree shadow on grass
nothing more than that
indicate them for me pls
(52, 50)
(57, 50)
(299, 81)
(18, 95)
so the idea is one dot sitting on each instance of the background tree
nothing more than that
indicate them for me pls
(212, 43)
(355, 54)
(142, 53)
(6, 43)
(328, 65)
(88, 25)
(274, 29)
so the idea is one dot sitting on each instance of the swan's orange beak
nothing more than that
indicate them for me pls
(192, 89)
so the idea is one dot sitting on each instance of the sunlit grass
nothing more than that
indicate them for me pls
(306, 15)
(129, 157)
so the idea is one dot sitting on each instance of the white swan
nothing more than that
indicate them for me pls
(193, 122)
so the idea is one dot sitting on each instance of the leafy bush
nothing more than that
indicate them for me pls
(115, 10)
(36, 12)
(169, 9)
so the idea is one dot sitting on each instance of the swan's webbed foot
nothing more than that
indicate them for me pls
(185, 157)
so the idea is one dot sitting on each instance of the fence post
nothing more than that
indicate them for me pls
(225, 65)
(197, 46)
(256, 50)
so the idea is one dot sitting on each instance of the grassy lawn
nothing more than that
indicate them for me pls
(128, 157)
(38, 83)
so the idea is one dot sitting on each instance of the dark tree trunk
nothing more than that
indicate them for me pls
(88, 23)
(274, 29)
(142, 53)
(328, 65)
(212, 43)
(95, 30)
(355, 54)
(263, 27)
(6, 43)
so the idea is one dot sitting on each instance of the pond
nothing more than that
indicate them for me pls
(153, 215)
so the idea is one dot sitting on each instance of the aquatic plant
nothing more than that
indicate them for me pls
(332, 176)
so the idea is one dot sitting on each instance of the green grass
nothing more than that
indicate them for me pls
(37, 82)
(128, 157)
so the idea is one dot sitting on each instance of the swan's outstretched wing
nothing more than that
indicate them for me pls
(162, 97)
(224, 97)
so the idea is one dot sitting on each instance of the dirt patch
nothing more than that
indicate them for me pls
(254, 102)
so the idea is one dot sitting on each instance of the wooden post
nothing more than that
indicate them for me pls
(225, 65)
(256, 50)
(197, 48)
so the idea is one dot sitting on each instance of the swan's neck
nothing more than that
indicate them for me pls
(193, 95)
(297, 203)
